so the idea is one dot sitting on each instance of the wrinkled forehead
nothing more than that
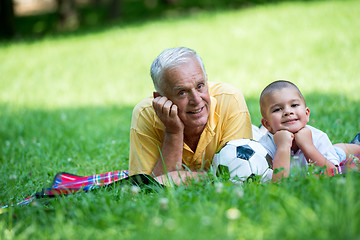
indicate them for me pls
(181, 63)
(183, 70)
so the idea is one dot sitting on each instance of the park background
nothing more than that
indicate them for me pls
(66, 97)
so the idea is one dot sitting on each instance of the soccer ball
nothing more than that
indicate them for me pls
(243, 159)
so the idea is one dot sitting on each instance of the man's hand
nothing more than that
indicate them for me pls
(168, 114)
(172, 145)
(181, 177)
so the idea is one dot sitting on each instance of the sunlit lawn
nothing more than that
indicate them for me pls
(66, 102)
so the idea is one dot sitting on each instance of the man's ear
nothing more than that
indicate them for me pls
(156, 94)
(266, 124)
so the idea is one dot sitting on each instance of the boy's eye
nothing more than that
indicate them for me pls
(295, 105)
(276, 109)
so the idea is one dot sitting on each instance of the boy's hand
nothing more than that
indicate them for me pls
(168, 114)
(283, 139)
(303, 138)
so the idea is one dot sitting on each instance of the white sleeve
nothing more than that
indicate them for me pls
(268, 143)
(326, 148)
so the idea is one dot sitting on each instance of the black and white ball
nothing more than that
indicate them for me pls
(243, 159)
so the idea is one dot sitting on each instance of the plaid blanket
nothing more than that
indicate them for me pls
(350, 164)
(67, 183)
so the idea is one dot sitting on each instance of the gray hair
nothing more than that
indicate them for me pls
(171, 57)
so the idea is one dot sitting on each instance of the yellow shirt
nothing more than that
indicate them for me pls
(229, 119)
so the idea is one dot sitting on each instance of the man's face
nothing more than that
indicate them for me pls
(285, 110)
(186, 86)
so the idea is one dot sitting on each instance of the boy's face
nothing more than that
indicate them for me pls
(285, 110)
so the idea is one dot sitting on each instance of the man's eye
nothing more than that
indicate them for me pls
(200, 86)
(181, 93)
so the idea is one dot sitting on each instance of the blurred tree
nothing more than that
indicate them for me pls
(7, 26)
(115, 9)
(67, 15)
(170, 2)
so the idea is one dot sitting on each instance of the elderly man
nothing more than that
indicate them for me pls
(187, 120)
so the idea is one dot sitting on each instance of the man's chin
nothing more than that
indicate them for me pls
(197, 125)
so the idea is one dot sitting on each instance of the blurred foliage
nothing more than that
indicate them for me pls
(96, 14)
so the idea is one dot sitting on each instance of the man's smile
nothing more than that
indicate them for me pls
(196, 111)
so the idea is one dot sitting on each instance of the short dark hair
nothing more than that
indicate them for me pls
(277, 85)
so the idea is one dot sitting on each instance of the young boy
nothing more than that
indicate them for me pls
(285, 116)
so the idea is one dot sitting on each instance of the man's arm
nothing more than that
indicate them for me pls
(303, 139)
(181, 177)
(171, 154)
(172, 145)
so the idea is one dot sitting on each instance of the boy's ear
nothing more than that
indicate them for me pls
(307, 112)
(156, 94)
(266, 124)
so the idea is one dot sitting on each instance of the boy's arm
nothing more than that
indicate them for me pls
(303, 139)
(283, 140)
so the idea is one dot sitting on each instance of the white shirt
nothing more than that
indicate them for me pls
(321, 142)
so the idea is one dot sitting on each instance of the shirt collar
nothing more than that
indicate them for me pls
(209, 130)
(213, 115)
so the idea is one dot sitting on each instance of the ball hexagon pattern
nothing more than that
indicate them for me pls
(243, 159)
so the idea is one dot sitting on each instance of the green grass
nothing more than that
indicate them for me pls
(66, 102)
